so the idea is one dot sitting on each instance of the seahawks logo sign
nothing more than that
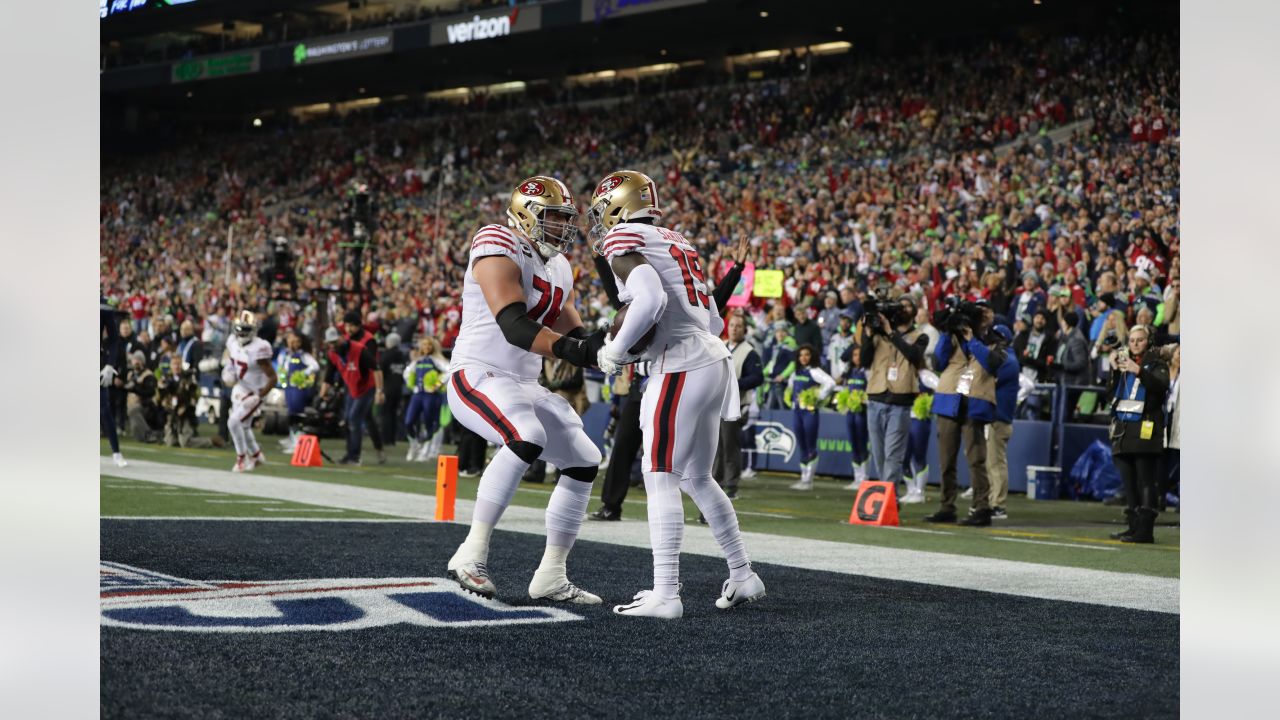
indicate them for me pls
(140, 599)
(774, 438)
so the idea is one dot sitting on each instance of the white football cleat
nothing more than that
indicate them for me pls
(735, 593)
(913, 497)
(801, 485)
(648, 604)
(545, 586)
(242, 465)
(853, 485)
(119, 460)
(258, 458)
(473, 577)
(968, 493)
(413, 450)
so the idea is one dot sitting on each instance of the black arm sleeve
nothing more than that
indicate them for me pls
(606, 278)
(516, 325)
(727, 285)
(914, 352)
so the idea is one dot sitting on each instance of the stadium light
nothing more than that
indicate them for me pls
(257, 122)
(764, 13)
(831, 48)
(840, 28)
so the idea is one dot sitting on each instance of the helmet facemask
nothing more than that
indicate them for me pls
(245, 327)
(552, 236)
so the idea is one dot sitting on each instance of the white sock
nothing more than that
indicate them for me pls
(497, 486)
(666, 531)
(723, 521)
(250, 442)
(476, 546)
(860, 472)
(565, 511)
(236, 430)
(921, 479)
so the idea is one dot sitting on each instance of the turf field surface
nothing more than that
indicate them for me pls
(820, 645)
(1065, 533)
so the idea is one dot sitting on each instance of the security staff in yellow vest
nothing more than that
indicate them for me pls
(892, 354)
(964, 403)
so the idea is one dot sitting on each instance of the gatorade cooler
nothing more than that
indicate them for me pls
(1043, 482)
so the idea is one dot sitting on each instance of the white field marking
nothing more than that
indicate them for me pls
(914, 530)
(410, 477)
(1046, 542)
(189, 494)
(307, 510)
(245, 502)
(766, 514)
(217, 518)
(1026, 579)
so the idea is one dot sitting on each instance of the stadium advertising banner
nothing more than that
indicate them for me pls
(486, 25)
(215, 66)
(601, 10)
(342, 47)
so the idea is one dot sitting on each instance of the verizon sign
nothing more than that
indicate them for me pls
(486, 26)
(479, 28)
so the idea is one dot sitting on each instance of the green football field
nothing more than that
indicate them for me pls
(1057, 533)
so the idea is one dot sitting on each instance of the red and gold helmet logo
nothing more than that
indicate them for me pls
(533, 188)
(609, 184)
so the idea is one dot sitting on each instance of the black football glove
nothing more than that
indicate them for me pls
(578, 348)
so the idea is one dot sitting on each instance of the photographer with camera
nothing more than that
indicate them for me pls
(965, 403)
(140, 386)
(1138, 386)
(178, 393)
(892, 353)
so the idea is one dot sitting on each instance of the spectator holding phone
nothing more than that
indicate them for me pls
(1138, 388)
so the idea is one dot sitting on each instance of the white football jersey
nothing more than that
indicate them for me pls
(683, 340)
(245, 359)
(546, 286)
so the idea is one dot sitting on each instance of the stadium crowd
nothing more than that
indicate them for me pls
(1038, 176)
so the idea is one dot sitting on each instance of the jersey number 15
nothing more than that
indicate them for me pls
(694, 282)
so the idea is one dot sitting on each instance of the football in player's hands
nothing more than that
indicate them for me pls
(645, 340)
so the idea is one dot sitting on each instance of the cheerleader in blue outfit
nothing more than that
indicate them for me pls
(915, 468)
(808, 387)
(425, 379)
(852, 401)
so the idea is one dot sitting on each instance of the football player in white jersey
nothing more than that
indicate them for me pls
(517, 308)
(691, 385)
(248, 368)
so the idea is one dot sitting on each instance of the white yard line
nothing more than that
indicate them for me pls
(914, 530)
(306, 510)
(1046, 542)
(1051, 582)
(219, 518)
(245, 502)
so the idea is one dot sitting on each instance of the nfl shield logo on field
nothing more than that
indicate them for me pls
(141, 599)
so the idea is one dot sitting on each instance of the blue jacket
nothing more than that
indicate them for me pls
(948, 404)
(1007, 388)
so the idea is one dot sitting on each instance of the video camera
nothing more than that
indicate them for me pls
(958, 314)
(360, 214)
(879, 303)
(280, 272)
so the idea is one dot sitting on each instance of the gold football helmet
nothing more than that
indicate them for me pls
(245, 326)
(622, 196)
(530, 203)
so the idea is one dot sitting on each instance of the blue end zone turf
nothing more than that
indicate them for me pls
(820, 645)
